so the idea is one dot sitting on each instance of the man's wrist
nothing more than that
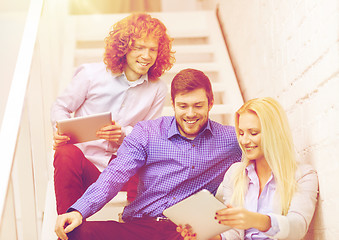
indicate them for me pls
(78, 213)
(72, 210)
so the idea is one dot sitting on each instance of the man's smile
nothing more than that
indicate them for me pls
(191, 121)
(144, 64)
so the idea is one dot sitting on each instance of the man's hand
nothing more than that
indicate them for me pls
(59, 140)
(65, 223)
(110, 133)
(187, 234)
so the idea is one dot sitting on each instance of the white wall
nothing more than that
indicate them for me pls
(290, 50)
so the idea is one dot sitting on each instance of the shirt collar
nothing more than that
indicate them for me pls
(173, 130)
(122, 76)
(252, 174)
(250, 170)
(142, 79)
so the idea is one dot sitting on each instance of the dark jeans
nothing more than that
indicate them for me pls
(143, 229)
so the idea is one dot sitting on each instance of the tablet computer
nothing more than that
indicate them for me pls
(198, 211)
(84, 128)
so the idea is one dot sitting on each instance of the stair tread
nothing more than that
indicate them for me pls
(205, 48)
(209, 66)
(194, 48)
(216, 86)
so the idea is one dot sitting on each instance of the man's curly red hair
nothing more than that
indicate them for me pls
(138, 26)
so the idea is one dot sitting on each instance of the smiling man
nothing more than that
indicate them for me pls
(192, 100)
(127, 84)
(175, 157)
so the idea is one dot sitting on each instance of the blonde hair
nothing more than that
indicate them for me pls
(277, 144)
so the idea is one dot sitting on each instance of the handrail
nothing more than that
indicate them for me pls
(15, 102)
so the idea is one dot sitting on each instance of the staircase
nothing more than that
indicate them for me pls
(198, 43)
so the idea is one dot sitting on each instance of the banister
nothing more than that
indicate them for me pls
(12, 115)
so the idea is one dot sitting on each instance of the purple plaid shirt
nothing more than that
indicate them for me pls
(171, 167)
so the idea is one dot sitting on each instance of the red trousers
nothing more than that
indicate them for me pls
(74, 173)
(143, 229)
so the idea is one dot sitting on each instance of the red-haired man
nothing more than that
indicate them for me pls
(127, 84)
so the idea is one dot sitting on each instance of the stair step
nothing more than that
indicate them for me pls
(205, 67)
(182, 49)
(183, 54)
(202, 48)
(88, 52)
(209, 68)
(216, 87)
(175, 23)
(88, 55)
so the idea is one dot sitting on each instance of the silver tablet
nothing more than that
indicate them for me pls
(83, 129)
(198, 211)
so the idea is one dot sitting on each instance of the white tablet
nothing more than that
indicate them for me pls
(198, 211)
(83, 129)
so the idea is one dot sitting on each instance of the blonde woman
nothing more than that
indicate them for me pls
(268, 194)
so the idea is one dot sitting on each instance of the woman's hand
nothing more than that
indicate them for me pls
(240, 218)
(110, 133)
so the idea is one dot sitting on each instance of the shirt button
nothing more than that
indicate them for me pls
(193, 167)
(173, 198)
(193, 145)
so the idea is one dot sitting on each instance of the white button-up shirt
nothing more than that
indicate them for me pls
(94, 89)
(262, 204)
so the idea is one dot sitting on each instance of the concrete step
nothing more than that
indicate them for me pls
(183, 54)
(187, 49)
(182, 49)
(177, 24)
(216, 87)
(203, 66)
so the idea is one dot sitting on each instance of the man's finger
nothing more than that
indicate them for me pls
(184, 232)
(111, 128)
(59, 230)
(71, 227)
